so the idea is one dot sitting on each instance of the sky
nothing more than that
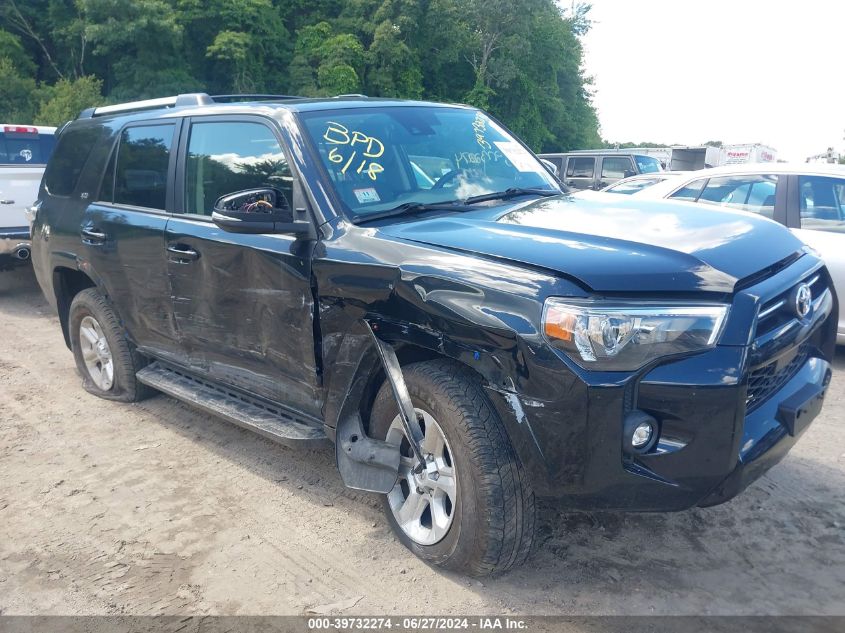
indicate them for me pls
(737, 71)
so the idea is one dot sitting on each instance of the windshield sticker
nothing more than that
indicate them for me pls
(355, 150)
(517, 155)
(479, 126)
(476, 158)
(26, 154)
(366, 195)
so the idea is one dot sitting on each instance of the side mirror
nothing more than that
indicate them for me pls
(551, 167)
(258, 211)
(628, 173)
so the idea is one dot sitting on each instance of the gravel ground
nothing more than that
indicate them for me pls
(157, 509)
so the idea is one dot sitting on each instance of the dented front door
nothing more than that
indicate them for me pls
(242, 303)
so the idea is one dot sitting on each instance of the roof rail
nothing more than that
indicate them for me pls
(351, 94)
(251, 97)
(190, 99)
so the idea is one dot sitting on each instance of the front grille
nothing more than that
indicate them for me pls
(766, 380)
(779, 310)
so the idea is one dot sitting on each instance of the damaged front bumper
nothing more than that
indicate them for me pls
(717, 433)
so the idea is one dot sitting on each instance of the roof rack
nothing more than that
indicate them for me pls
(251, 97)
(191, 99)
(183, 100)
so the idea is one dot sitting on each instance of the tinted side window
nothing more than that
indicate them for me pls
(754, 193)
(141, 169)
(648, 164)
(75, 144)
(615, 167)
(580, 167)
(225, 157)
(822, 203)
(689, 191)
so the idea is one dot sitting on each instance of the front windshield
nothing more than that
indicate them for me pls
(381, 157)
(648, 164)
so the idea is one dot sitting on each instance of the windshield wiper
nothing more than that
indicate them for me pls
(409, 208)
(513, 192)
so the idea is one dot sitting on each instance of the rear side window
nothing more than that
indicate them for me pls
(822, 203)
(580, 167)
(23, 145)
(754, 193)
(137, 174)
(615, 167)
(74, 146)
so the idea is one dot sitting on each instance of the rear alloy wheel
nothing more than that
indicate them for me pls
(96, 353)
(104, 356)
(469, 507)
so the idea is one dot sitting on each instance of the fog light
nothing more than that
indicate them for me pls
(642, 435)
(640, 432)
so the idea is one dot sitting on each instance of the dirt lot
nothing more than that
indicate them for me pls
(154, 508)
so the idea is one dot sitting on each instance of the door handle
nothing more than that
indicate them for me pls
(182, 254)
(7, 202)
(92, 236)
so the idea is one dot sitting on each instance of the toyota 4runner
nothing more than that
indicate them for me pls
(408, 282)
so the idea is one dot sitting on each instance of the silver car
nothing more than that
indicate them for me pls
(809, 199)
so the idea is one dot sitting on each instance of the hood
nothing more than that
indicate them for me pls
(617, 246)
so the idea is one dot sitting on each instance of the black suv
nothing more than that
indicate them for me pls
(407, 281)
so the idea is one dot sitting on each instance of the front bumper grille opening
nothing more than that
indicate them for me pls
(768, 379)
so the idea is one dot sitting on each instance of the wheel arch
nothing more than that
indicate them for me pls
(67, 283)
(352, 387)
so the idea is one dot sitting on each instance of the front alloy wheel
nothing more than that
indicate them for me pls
(423, 503)
(470, 507)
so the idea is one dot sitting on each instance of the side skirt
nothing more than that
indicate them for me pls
(274, 423)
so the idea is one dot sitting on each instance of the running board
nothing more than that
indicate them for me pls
(271, 422)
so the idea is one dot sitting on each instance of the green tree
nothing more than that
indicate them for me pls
(141, 42)
(17, 98)
(393, 68)
(251, 48)
(65, 100)
(521, 61)
(12, 49)
(325, 64)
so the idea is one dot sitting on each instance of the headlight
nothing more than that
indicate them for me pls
(620, 337)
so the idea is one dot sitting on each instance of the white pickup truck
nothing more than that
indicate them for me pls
(24, 150)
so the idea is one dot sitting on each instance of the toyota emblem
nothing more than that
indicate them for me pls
(803, 300)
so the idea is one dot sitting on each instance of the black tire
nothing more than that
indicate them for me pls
(493, 520)
(126, 360)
